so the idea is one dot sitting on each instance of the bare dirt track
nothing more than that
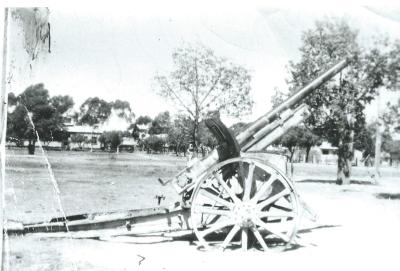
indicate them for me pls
(359, 223)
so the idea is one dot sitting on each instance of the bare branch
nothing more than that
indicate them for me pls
(212, 87)
(179, 99)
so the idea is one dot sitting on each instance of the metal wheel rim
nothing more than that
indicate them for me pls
(242, 219)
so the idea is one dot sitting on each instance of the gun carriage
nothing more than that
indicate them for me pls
(229, 199)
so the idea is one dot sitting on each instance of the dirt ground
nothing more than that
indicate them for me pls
(357, 226)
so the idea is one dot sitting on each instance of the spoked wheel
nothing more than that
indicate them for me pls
(243, 203)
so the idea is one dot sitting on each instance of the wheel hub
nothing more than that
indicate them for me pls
(244, 214)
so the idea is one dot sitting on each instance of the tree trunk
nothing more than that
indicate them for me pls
(291, 150)
(195, 132)
(345, 154)
(31, 147)
(307, 153)
(344, 170)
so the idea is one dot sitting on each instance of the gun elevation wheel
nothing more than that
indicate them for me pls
(243, 202)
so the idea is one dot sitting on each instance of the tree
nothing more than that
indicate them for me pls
(114, 138)
(391, 117)
(111, 140)
(201, 82)
(366, 139)
(35, 115)
(12, 99)
(17, 125)
(161, 124)
(393, 76)
(277, 98)
(134, 131)
(94, 111)
(78, 139)
(62, 103)
(179, 134)
(206, 138)
(307, 139)
(154, 143)
(143, 120)
(393, 147)
(123, 109)
(336, 108)
(290, 140)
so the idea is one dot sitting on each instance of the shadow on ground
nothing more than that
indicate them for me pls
(389, 196)
(215, 240)
(360, 182)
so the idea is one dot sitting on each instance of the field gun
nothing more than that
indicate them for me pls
(229, 199)
(259, 134)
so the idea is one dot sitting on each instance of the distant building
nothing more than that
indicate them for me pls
(90, 135)
(327, 154)
(128, 144)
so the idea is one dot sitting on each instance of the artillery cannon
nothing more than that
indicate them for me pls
(229, 199)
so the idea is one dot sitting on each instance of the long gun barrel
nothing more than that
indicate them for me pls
(247, 137)
(262, 132)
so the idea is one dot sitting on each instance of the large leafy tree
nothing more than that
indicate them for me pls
(201, 82)
(277, 98)
(393, 76)
(123, 109)
(307, 139)
(366, 139)
(179, 135)
(290, 141)
(391, 117)
(161, 124)
(62, 103)
(337, 108)
(299, 136)
(111, 140)
(143, 120)
(94, 111)
(35, 114)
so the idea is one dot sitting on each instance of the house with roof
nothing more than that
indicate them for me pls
(85, 136)
(82, 136)
(327, 154)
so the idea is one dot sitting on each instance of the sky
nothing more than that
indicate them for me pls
(114, 53)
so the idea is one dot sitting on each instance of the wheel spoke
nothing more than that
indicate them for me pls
(274, 198)
(249, 182)
(245, 238)
(210, 210)
(227, 188)
(264, 188)
(215, 227)
(244, 203)
(259, 238)
(216, 199)
(230, 236)
(264, 225)
(235, 185)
